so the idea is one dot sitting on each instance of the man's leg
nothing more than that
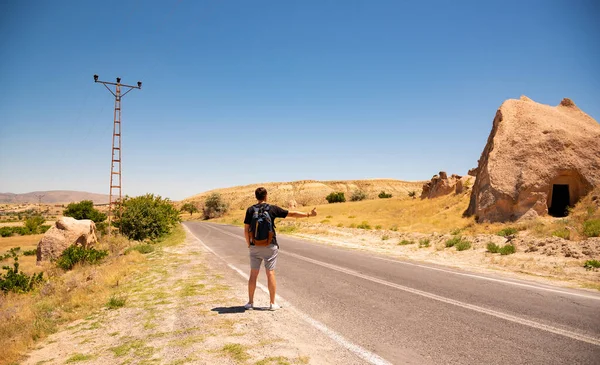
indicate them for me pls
(272, 284)
(252, 284)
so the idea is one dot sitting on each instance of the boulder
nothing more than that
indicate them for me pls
(538, 159)
(66, 232)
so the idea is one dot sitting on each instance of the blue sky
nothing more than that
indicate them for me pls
(240, 92)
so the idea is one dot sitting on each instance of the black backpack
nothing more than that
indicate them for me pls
(261, 226)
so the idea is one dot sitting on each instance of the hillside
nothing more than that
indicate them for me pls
(310, 192)
(53, 196)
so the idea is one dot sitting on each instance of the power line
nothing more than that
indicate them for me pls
(116, 157)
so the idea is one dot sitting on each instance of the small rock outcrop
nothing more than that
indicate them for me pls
(67, 231)
(441, 184)
(538, 159)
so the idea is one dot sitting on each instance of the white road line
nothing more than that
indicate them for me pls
(356, 349)
(475, 276)
(491, 312)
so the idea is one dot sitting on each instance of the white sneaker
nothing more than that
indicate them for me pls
(249, 306)
(274, 307)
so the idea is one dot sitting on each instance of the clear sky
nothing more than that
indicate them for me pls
(240, 92)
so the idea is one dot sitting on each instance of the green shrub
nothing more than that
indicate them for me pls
(325, 221)
(405, 242)
(364, 225)
(394, 228)
(424, 242)
(352, 225)
(32, 252)
(591, 228)
(287, 229)
(456, 231)
(190, 208)
(84, 210)
(6, 231)
(507, 231)
(340, 224)
(336, 197)
(493, 248)
(142, 248)
(384, 195)
(562, 233)
(462, 245)
(507, 250)
(592, 265)
(385, 237)
(147, 217)
(14, 281)
(33, 223)
(358, 195)
(453, 241)
(329, 216)
(116, 302)
(77, 254)
(214, 206)
(378, 226)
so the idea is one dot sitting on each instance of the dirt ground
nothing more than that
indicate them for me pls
(551, 260)
(181, 311)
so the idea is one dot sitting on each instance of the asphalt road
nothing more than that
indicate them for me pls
(409, 312)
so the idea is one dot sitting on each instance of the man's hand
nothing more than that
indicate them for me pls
(313, 213)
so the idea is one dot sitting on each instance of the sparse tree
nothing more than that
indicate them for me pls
(84, 210)
(189, 207)
(147, 217)
(214, 206)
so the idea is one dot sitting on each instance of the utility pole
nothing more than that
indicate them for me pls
(115, 160)
(39, 198)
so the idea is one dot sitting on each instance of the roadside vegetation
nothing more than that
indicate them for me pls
(36, 300)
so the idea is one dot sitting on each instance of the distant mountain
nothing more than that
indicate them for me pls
(53, 196)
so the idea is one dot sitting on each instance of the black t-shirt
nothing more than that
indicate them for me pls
(274, 212)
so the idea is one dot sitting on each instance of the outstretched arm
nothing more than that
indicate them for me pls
(294, 214)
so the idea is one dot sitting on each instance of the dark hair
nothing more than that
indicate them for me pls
(260, 193)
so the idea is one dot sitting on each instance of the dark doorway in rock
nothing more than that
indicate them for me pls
(560, 200)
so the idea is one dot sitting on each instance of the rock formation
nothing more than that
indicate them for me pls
(441, 184)
(66, 232)
(538, 159)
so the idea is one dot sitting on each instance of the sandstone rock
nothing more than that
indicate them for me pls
(67, 231)
(472, 172)
(464, 183)
(535, 153)
(440, 185)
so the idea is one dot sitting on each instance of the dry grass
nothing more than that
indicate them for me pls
(65, 296)
(27, 263)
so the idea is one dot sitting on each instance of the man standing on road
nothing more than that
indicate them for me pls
(258, 216)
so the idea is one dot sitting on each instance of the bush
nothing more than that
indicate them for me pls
(592, 265)
(33, 223)
(77, 254)
(462, 245)
(116, 302)
(493, 248)
(562, 233)
(358, 195)
(424, 242)
(364, 225)
(504, 250)
(142, 248)
(32, 252)
(591, 228)
(394, 228)
(379, 226)
(189, 207)
(147, 217)
(384, 195)
(412, 194)
(18, 282)
(507, 231)
(453, 241)
(385, 237)
(214, 206)
(336, 198)
(84, 210)
(507, 250)
(405, 242)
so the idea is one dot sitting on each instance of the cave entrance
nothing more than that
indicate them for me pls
(560, 200)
